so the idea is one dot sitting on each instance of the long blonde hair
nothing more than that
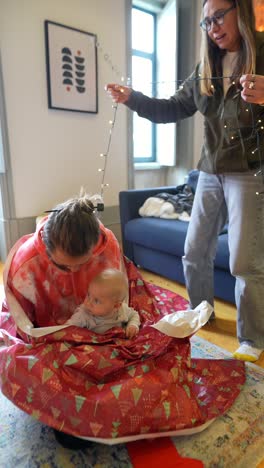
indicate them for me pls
(211, 55)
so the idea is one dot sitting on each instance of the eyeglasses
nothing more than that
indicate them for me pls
(218, 18)
(61, 267)
(68, 268)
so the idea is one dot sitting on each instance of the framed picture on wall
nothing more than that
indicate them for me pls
(71, 62)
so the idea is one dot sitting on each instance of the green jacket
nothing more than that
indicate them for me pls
(233, 138)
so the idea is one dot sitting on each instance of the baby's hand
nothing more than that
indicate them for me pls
(131, 331)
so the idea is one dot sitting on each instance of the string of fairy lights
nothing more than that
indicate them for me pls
(106, 153)
(255, 128)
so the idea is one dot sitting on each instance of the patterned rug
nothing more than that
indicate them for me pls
(235, 439)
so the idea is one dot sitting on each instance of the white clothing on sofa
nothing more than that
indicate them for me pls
(159, 208)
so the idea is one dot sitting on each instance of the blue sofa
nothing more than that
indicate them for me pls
(157, 244)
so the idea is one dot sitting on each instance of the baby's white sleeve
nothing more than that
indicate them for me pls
(82, 318)
(133, 317)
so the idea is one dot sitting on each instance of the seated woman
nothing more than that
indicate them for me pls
(100, 387)
(51, 269)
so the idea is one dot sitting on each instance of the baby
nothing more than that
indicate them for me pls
(103, 307)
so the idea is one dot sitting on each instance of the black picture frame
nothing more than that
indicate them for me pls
(71, 64)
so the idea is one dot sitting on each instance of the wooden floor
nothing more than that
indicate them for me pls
(221, 332)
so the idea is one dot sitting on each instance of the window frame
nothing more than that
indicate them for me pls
(153, 58)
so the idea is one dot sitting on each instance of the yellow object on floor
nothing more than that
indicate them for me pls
(248, 353)
(244, 357)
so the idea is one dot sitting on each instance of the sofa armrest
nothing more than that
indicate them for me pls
(192, 179)
(129, 203)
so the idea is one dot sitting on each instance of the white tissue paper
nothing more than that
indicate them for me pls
(184, 323)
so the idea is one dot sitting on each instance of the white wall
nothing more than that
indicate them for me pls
(54, 152)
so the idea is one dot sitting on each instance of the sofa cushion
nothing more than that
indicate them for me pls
(165, 235)
(222, 252)
(168, 235)
(192, 179)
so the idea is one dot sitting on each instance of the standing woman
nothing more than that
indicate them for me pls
(232, 155)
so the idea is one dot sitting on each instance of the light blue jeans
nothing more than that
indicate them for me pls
(219, 196)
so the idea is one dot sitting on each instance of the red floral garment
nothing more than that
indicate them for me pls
(109, 387)
(47, 294)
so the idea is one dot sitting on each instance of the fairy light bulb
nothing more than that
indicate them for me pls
(100, 170)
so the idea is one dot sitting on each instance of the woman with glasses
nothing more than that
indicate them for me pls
(227, 87)
(51, 269)
(46, 277)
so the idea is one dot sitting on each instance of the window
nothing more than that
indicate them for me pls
(143, 79)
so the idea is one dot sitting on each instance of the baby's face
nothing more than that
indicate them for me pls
(100, 300)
